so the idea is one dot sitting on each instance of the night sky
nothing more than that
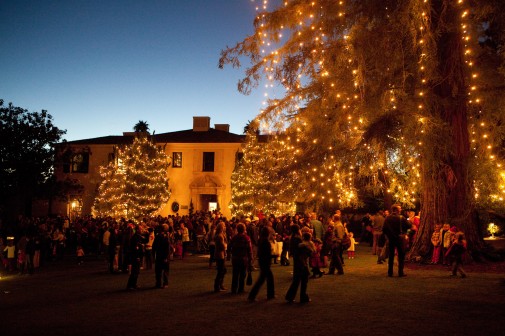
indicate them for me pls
(99, 67)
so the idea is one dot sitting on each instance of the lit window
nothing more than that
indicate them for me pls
(177, 159)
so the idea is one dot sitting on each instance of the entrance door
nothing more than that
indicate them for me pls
(205, 199)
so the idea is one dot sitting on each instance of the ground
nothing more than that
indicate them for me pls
(67, 299)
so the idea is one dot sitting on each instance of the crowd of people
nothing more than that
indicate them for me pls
(313, 243)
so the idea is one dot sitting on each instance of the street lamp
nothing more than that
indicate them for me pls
(492, 228)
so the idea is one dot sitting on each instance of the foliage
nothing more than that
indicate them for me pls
(141, 126)
(136, 184)
(27, 141)
(386, 91)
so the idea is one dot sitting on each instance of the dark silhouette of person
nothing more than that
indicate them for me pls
(301, 250)
(265, 261)
(161, 250)
(395, 225)
(241, 258)
(136, 254)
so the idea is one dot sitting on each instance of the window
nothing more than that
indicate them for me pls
(78, 164)
(177, 159)
(208, 161)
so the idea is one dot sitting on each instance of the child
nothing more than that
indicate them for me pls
(445, 242)
(11, 254)
(435, 241)
(316, 262)
(352, 248)
(455, 254)
(80, 255)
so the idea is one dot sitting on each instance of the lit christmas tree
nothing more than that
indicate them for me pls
(262, 179)
(136, 184)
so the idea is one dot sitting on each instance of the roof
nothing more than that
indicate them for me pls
(187, 136)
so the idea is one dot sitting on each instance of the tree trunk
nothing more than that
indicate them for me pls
(447, 195)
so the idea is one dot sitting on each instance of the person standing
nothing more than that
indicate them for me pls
(265, 262)
(435, 241)
(377, 224)
(148, 257)
(336, 247)
(395, 225)
(455, 254)
(161, 248)
(241, 258)
(317, 227)
(212, 244)
(105, 239)
(220, 256)
(10, 250)
(301, 251)
(185, 239)
(352, 248)
(136, 253)
(445, 242)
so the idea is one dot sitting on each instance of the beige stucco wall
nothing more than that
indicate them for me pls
(186, 183)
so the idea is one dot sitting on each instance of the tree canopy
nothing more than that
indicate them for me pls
(401, 94)
(27, 142)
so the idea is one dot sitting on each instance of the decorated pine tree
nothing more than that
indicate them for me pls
(244, 183)
(262, 179)
(403, 95)
(136, 184)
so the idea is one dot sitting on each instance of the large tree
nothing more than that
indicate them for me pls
(27, 141)
(387, 90)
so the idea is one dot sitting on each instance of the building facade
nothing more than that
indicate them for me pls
(202, 161)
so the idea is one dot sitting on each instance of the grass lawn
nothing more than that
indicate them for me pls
(67, 299)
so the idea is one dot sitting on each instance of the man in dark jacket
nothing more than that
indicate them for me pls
(265, 261)
(241, 258)
(161, 250)
(301, 251)
(395, 225)
(136, 254)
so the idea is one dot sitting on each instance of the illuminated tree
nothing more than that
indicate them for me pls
(388, 90)
(262, 179)
(136, 184)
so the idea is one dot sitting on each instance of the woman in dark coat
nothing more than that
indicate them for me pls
(265, 261)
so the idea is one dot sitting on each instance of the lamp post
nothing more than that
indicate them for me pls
(492, 228)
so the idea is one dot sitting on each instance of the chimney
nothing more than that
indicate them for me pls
(201, 124)
(222, 127)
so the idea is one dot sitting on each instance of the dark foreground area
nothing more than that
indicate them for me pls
(69, 299)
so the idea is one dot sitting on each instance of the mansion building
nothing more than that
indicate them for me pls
(202, 161)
